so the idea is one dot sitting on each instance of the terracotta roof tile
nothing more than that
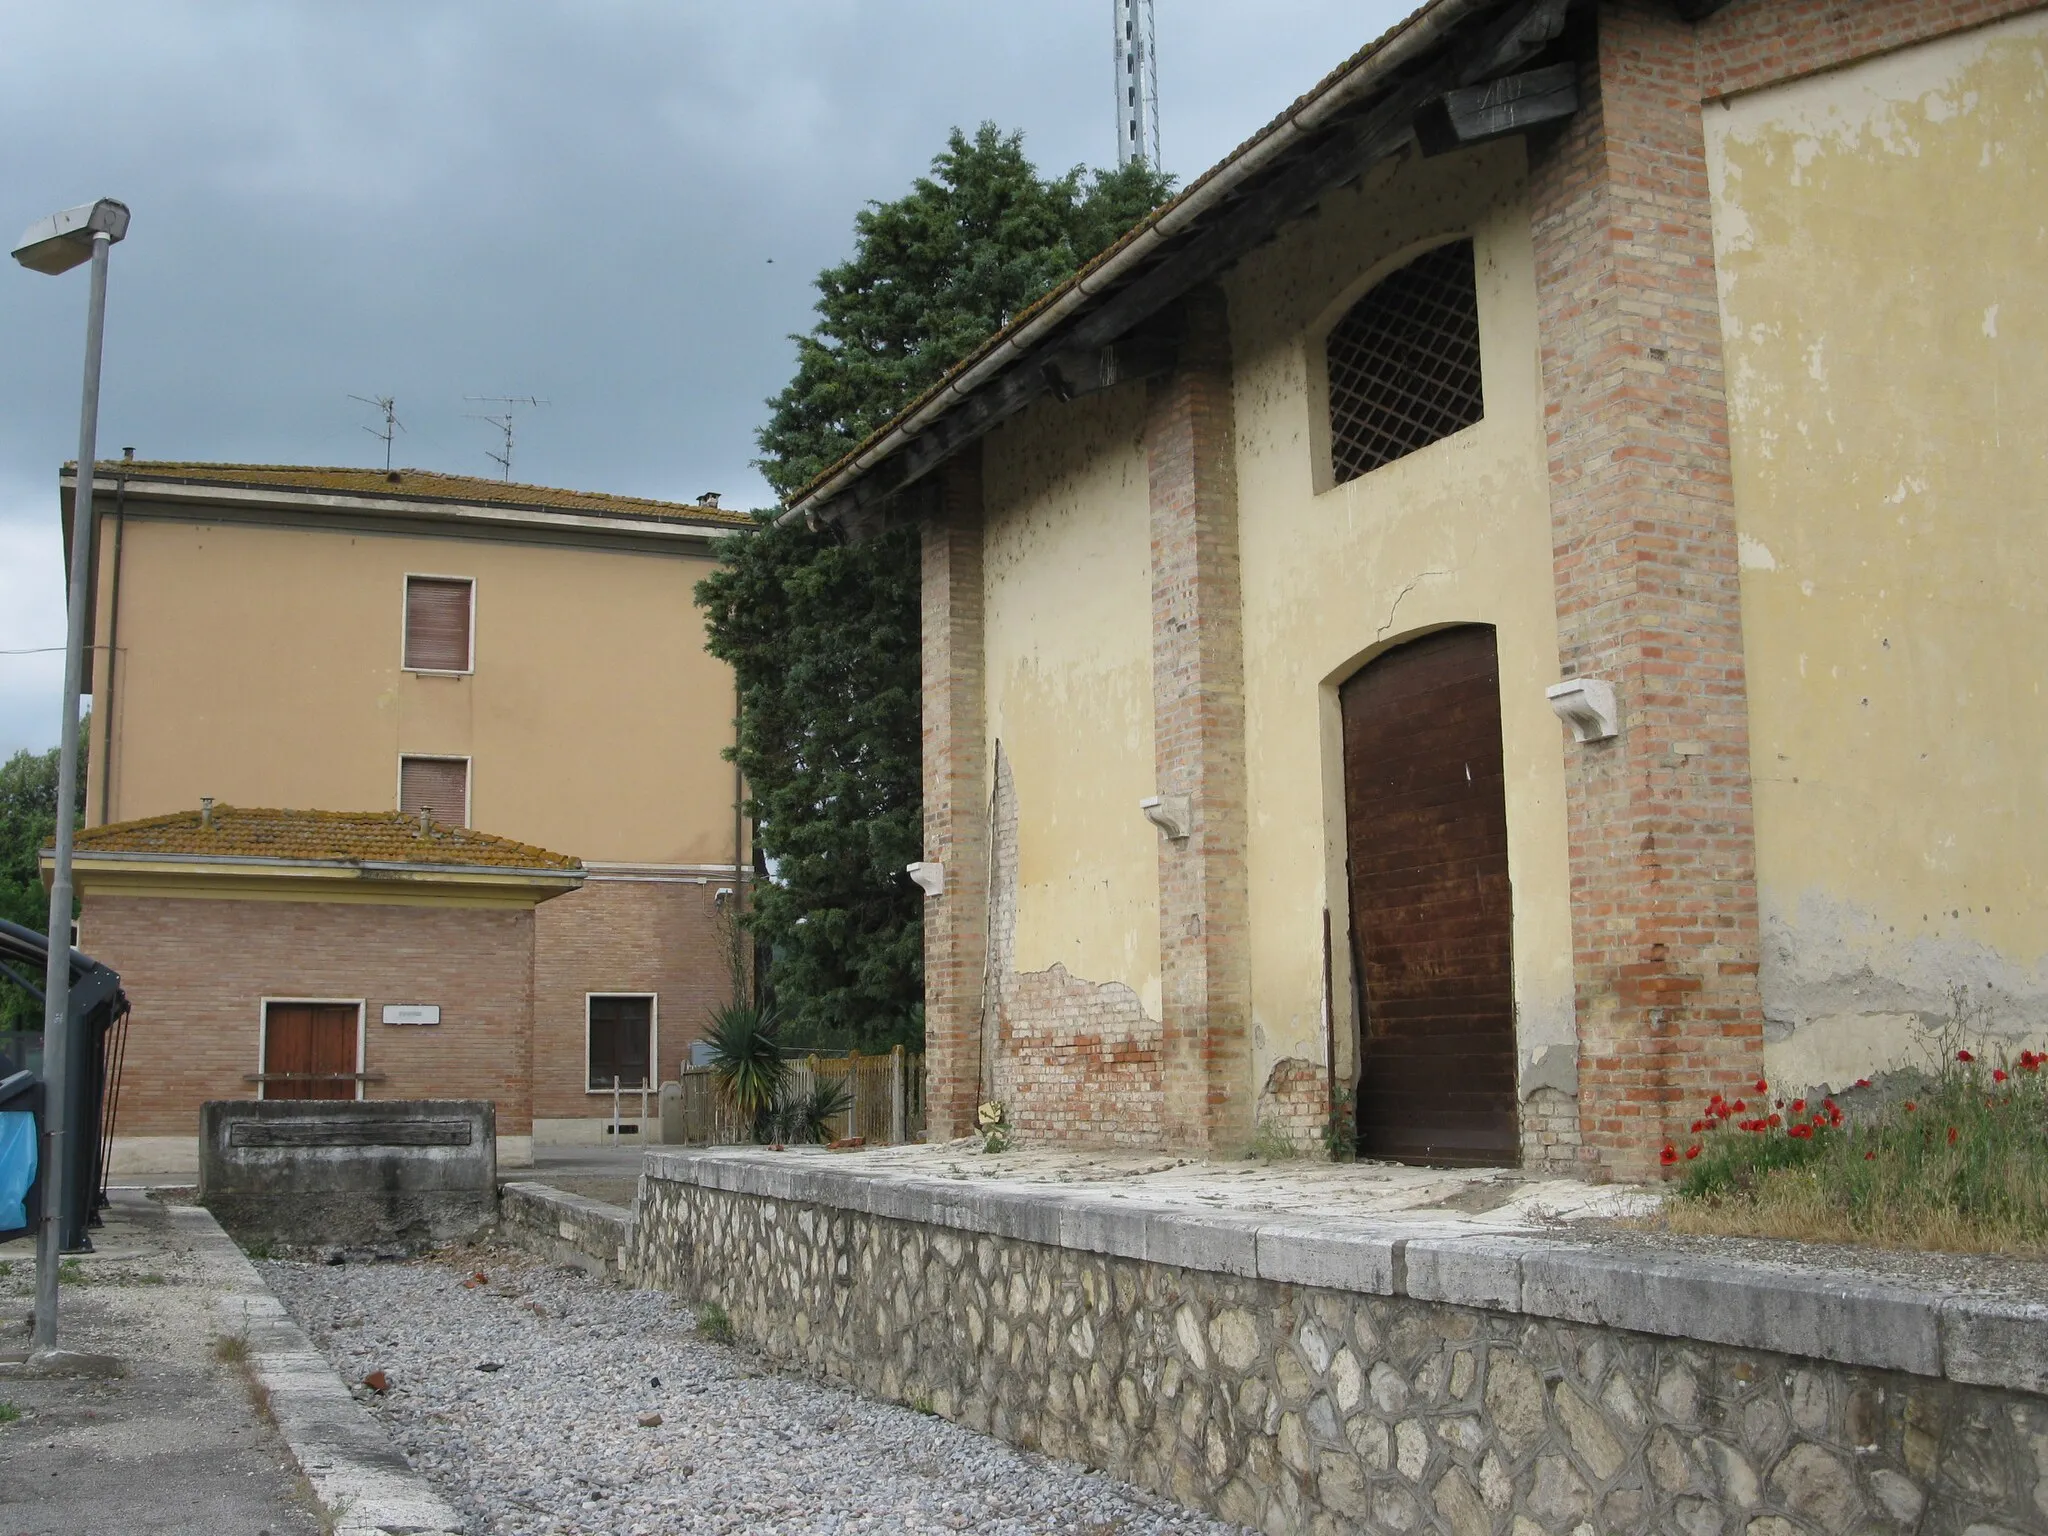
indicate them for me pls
(415, 485)
(380, 837)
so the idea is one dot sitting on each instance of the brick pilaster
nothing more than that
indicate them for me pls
(1198, 733)
(955, 800)
(1662, 844)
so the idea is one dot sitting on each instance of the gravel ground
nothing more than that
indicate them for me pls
(552, 1439)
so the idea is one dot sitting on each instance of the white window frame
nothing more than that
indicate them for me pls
(290, 1000)
(653, 1041)
(468, 795)
(405, 624)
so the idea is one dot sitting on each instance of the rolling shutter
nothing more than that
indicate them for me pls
(437, 624)
(436, 784)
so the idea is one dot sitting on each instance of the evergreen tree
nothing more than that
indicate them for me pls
(28, 823)
(823, 635)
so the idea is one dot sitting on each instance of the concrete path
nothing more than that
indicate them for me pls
(180, 1443)
(176, 1444)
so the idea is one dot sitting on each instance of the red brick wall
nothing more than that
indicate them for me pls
(955, 800)
(196, 972)
(1648, 594)
(1198, 738)
(621, 935)
(1759, 42)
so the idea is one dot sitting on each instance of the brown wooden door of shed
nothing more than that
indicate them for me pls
(1431, 915)
(316, 1042)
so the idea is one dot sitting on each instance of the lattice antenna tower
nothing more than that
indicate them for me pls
(504, 421)
(392, 425)
(1137, 84)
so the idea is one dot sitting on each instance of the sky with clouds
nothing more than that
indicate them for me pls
(614, 205)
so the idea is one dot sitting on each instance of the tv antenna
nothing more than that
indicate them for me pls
(1137, 85)
(503, 421)
(392, 425)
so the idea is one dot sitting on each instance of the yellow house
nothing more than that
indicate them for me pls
(514, 679)
(1512, 604)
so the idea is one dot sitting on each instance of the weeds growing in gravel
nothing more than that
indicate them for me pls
(1960, 1167)
(231, 1349)
(9, 1414)
(71, 1272)
(1270, 1144)
(713, 1325)
(6, 1269)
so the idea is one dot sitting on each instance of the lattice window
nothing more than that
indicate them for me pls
(1404, 363)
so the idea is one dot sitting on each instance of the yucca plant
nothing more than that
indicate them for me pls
(805, 1115)
(746, 1057)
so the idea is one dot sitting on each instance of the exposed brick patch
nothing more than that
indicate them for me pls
(1648, 593)
(1761, 42)
(1550, 1132)
(955, 812)
(1074, 1060)
(1198, 734)
(1295, 1103)
(197, 971)
(621, 936)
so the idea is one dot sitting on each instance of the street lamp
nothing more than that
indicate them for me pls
(53, 245)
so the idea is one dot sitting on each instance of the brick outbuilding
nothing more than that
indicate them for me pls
(316, 954)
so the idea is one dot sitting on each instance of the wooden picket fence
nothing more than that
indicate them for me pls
(887, 1100)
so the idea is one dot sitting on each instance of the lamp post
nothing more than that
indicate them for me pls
(54, 245)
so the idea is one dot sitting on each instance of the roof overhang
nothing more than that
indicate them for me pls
(368, 882)
(1456, 72)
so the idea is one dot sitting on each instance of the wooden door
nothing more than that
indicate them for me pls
(1431, 916)
(316, 1042)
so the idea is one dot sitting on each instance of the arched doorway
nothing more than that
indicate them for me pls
(1432, 939)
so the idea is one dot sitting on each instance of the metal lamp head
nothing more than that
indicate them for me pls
(64, 240)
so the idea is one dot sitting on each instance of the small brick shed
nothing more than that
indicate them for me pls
(315, 954)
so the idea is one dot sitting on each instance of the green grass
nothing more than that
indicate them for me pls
(713, 1325)
(1959, 1165)
(6, 1269)
(9, 1414)
(71, 1272)
(231, 1349)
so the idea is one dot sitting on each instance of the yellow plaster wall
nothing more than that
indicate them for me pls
(1456, 533)
(262, 666)
(1067, 566)
(1882, 243)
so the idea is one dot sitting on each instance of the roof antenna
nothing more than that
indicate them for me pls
(503, 422)
(392, 425)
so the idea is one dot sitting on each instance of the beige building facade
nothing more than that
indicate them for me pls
(1719, 398)
(522, 661)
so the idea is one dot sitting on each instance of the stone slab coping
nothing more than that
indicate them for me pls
(594, 1213)
(360, 1478)
(1840, 1314)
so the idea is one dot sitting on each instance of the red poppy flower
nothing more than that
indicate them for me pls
(1740, 1106)
(1691, 1153)
(1870, 1157)
(1998, 1074)
(1670, 1155)
(1762, 1086)
(1775, 1120)
(1862, 1082)
(1911, 1106)
(1951, 1135)
(1801, 1132)
(1698, 1126)
(1964, 1056)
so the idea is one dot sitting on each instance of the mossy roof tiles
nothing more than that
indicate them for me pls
(369, 837)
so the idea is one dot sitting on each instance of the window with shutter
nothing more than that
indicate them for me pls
(437, 615)
(621, 1042)
(1404, 363)
(439, 785)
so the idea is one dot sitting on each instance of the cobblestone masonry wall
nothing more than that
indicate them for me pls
(1292, 1408)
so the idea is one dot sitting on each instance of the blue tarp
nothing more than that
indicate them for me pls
(17, 1167)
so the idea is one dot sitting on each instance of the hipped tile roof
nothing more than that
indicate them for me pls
(370, 837)
(414, 485)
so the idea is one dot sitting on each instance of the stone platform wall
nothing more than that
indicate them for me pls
(571, 1229)
(1326, 1407)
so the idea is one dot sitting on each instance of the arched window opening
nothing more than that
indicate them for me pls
(1404, 363)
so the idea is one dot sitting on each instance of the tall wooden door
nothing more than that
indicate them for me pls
(316, 1042)
(1431, 916)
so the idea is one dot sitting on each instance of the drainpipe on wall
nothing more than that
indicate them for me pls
(103, 690)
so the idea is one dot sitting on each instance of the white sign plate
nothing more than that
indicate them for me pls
(412, 1013)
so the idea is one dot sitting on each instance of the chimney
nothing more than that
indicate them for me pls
(206, 812)
(708, 498)
(127, 455)
(426, 816)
